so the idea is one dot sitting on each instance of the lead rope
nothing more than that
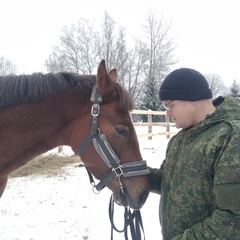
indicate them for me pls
(132, 219)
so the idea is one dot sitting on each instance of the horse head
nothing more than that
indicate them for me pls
(114, 157)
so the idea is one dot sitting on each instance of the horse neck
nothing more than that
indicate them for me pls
(30, 129)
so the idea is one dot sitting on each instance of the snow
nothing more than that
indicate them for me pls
(65, 207)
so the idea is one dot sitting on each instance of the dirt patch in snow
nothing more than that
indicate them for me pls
(48, 165)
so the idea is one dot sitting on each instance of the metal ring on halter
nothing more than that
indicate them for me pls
(94, 188)
(98, 133)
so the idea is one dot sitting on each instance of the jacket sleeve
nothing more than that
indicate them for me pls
(155, 179)
(225, 220)
(155, 176)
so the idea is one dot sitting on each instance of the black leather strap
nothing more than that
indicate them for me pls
(132, 219)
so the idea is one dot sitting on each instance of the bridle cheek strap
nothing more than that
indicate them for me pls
(105, 151)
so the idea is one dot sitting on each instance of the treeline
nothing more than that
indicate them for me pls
(142, 63)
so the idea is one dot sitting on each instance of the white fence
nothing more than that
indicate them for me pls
(154, 128)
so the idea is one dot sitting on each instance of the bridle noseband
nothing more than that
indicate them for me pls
(105, 151)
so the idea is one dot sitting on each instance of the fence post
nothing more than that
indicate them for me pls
(167, 127)
(60, 149)
(149, 127)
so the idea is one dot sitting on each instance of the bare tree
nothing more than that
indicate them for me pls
(135, 71)
(7, 67)
(114, 50)
(150, 57)
(56, 62)
(121, 54)
(158, 48)
(216, 85)
(78, 50)
(108, 41)
(113, 46)
(158, 45)
(81, 48)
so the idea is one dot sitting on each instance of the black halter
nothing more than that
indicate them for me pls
(107, 154)
(130, 169)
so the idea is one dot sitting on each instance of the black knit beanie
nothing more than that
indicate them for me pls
(185, 84)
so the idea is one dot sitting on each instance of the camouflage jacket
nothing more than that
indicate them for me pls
(199, 181)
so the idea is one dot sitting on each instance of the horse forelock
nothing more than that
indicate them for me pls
(23, 88)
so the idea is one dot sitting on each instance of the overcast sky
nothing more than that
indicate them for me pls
(207, 31)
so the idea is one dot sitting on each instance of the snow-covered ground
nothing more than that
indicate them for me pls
(65, 207)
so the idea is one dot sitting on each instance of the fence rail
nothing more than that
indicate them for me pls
(151, 124)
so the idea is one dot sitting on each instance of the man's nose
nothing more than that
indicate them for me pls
(168, 113)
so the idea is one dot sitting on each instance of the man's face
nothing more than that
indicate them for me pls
(181, 112)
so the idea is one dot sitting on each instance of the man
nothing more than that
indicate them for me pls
(199, 181)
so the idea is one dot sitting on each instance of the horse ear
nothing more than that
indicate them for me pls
(113, 75)
(105, 80)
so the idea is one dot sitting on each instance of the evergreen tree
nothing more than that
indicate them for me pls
(150, 99)
(234, 88)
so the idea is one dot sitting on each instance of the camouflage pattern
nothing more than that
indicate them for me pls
(199, 181)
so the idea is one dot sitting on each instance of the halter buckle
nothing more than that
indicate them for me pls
(95, 110)
(118, 171)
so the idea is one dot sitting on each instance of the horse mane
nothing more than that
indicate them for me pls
(125, 100)
(23, 88)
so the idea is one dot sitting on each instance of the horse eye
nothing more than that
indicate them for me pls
(121, 131)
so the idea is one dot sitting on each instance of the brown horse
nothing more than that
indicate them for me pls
(39, 112)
